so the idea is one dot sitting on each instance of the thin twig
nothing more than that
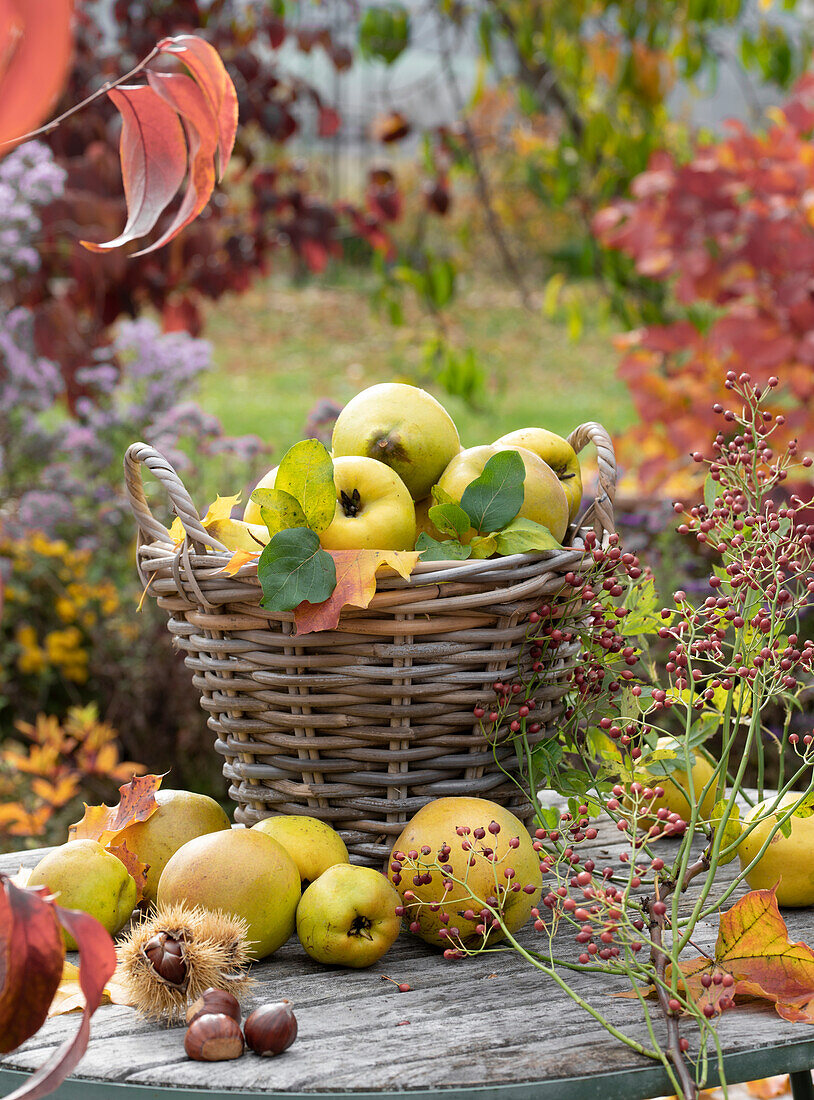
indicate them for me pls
(103, 90)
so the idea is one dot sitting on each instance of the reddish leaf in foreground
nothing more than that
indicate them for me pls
(103, 823)
(355, 585)
(36, 43)
(153, 155)
(97, 962)
(31, 957)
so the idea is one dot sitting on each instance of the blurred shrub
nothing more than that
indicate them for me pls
(45, 776)
(730, 236)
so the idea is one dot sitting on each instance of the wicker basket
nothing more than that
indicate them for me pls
(362, 725)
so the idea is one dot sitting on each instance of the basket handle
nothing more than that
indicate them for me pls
(600, 513)
(151, 529)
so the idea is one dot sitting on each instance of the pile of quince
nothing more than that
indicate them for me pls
(396, 455)
(292, 873)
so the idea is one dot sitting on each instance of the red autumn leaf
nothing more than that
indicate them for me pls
(135, 867)
(153, 154)
(172, 126)
(36, 43)
(97, 962)
(182, 93)
(103, 823)
(355, 585)
(328, 122)
(210, 74)
(31, 957)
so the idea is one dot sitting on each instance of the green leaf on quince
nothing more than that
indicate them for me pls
(294, 567)
(450, 519)
(664, 761)
(279, 510)
(805, 808)
(307, 474)
(448, 550)
(493, 500)
(522, 535)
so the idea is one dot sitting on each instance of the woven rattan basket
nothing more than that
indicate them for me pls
(362, 725)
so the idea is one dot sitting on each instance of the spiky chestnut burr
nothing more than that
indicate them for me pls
(169, 959)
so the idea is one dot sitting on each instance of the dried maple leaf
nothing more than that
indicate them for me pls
(70, 998)
(104, 823)
(355, 585)
(754, 956)
(135, 867)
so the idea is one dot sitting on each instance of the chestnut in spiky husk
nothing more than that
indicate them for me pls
(167, 961)
(271, 1029)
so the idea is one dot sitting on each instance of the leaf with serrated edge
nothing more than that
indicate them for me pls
(450, 519)
(279, 510)
(522, 535)
(448, 550)
(307, 474)
(355, 585)
(135, 868)
(137, 803)
(292, 568)
(494, 499)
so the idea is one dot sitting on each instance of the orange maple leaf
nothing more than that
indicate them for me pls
(133, 864)
(104, 823)
(754, 950)
(355, 585)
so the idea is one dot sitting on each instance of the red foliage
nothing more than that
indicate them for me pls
(732, 231)
(31, 959)
(35, 53)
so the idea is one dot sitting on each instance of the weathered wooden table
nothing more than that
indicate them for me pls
(486, 1028)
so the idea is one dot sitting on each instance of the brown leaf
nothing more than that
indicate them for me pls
(36, 44)
(104, 823)
(31, 957)
(135, 868)
(355, 585)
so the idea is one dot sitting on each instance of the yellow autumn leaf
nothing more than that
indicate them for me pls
(70, 998)
(218, 510)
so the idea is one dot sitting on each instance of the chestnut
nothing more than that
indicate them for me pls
(214, 1037)
(167, 958)
(214, 1001)
(271, 1029)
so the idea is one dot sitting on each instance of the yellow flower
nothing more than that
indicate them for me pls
(65, 608)
(31, 662)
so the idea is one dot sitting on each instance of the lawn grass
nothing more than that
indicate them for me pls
(279, 348)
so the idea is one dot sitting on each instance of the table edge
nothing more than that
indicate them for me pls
(624, 1084)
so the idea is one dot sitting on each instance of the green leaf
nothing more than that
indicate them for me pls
(495, 498)
(522, 535)
(483, 546)
(441, 496)
(433, 550)
(440, 283)
(292, 568)
(732, 829)
(450, 519)
(279, 510)
(384, 32)
(806, 807)
(307, 474)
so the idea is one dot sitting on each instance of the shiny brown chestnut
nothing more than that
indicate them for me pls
(166, 956)
(214, 1001)
(271, 1029)
(214, 1037)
